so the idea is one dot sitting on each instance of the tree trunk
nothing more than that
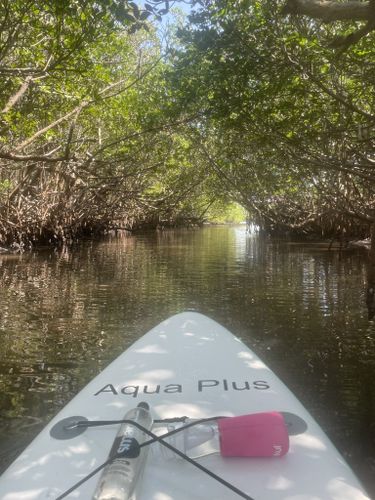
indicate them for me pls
(370, 293)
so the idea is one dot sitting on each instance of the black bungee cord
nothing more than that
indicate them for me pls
(154, 439)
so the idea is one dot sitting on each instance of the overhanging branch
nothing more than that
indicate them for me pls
(330, 11)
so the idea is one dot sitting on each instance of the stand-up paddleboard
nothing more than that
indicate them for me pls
(188, 366)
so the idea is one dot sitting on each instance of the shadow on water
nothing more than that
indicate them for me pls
(65, 316)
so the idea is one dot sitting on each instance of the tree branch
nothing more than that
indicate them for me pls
(329, 11)
(343, 42)
(43, 158)
(18, 95)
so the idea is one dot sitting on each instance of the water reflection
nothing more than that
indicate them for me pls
(64, 316)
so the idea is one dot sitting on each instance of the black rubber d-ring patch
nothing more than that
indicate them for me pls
(294, 423)
(65, 429)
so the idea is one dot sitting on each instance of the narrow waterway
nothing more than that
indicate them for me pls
(65, 316)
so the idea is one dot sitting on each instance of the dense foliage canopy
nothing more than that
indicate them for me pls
(86, 143)
(290, 122)
(106, 124)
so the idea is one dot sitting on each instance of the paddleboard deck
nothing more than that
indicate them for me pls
(189, 365)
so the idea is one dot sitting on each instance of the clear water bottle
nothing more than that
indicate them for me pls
(254, 435)
(188, 441)
(120, 476)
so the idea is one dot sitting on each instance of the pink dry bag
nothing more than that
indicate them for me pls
(255, 435)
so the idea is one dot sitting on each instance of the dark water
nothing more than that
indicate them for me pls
(65, 316)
